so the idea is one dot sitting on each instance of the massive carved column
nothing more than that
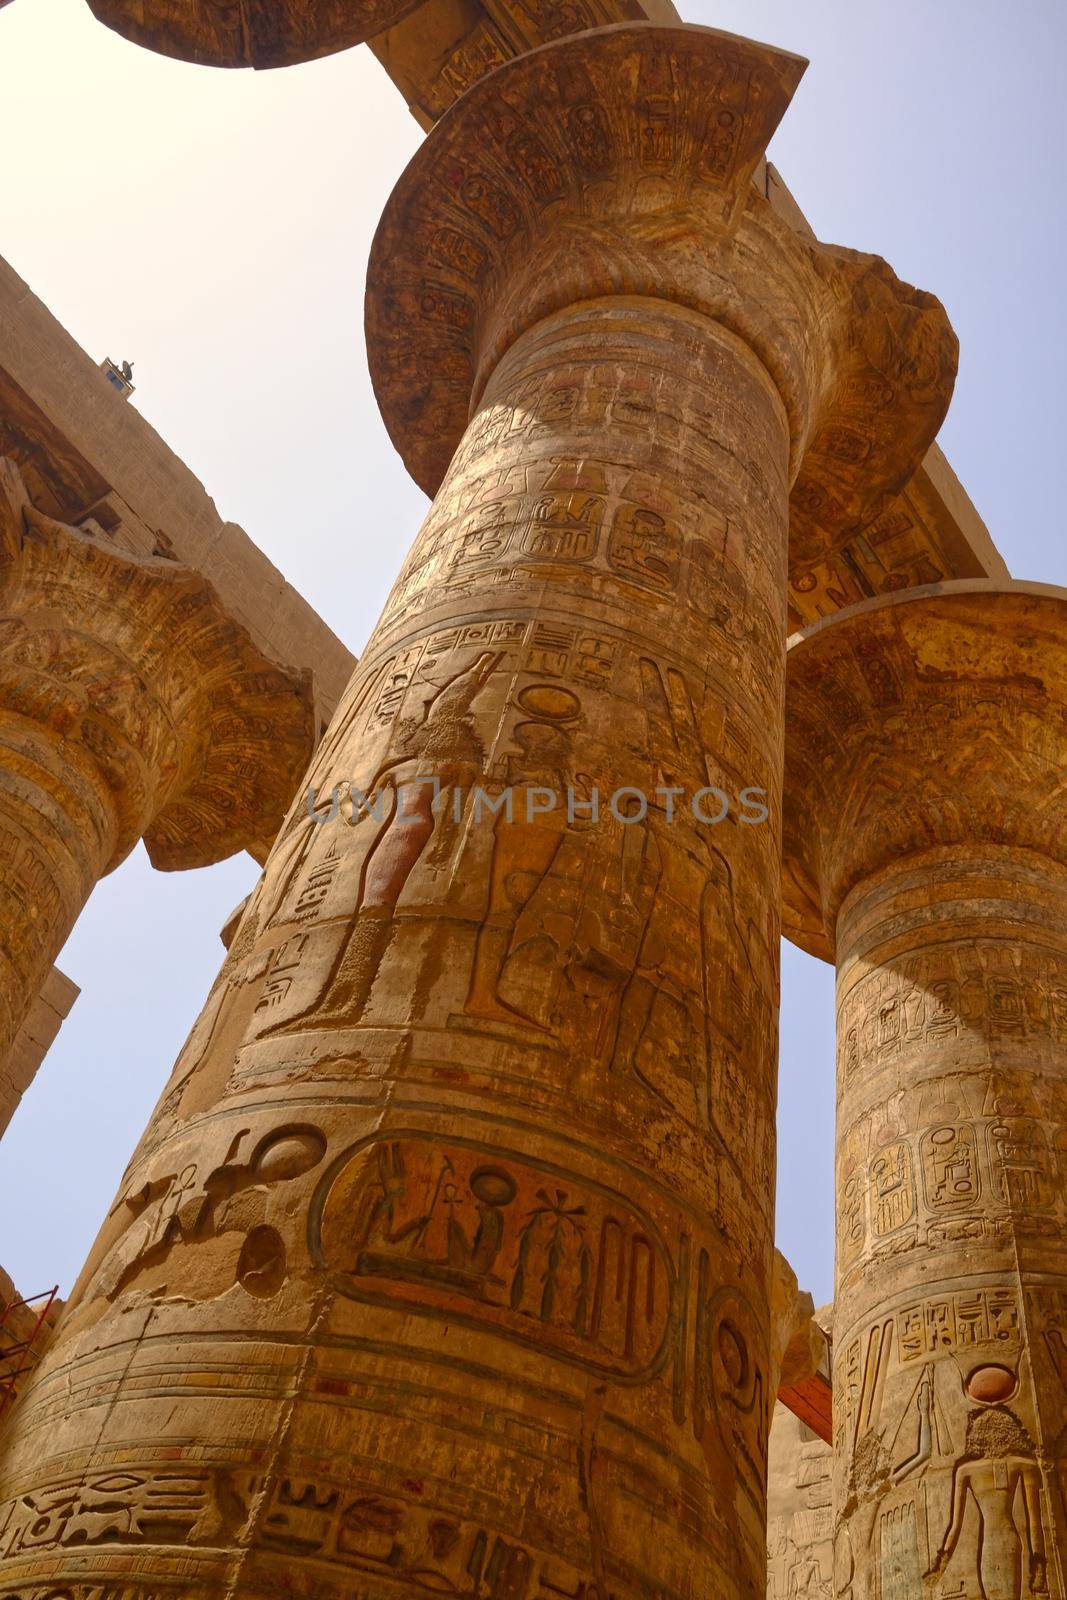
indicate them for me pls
(926, 840)
(445, 1262)
(129, 706)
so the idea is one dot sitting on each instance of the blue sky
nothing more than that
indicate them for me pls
(213, 228)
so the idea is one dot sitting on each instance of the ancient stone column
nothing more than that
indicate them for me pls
(37, 1033)
(130, 707)
(926, 842)
(445, 1263)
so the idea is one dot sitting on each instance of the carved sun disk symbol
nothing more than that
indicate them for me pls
(990, 1385)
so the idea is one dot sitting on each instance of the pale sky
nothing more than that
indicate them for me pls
(213, 228)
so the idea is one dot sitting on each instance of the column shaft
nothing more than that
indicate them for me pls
(952, 1261)
(520, 1313)
(58, 825)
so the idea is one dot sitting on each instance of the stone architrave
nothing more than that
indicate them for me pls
(130, 707)
(926, 849)
(445, 1262)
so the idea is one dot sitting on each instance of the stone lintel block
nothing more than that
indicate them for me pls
(87, 457)
(801, 1350)
(436, 52)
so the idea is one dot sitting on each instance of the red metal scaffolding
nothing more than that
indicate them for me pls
(17, 1353)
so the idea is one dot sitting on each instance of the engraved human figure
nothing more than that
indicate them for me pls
(526, 839)
(806, 1580)
(572, 883)
(657, 1037)
(1000, 1476)
(951, 1172)
(924, 1403)
(441, 750)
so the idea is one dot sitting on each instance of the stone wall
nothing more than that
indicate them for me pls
(799, 1512)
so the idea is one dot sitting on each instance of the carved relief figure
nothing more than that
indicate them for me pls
(527, 835)
(1000, 1477)
(443, 746)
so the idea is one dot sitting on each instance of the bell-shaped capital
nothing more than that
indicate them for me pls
(932, 720)
(249, 33)
(134, 663)
(618, 163)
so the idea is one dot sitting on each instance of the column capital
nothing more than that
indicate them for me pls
(249, 33)
(931, 721)
(133, 663)
(618, 162)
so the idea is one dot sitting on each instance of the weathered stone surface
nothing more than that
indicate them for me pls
(445, 1263)
(130, 707)
(924, 534)
(249, 33)
(794, 1351)
(928, 532)
(40, 1025)
(90, 460)
(926, 840)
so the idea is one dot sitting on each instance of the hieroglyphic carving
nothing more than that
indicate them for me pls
(131, 1506)
(800, 1519)
(932, 1182)
(471, 1234)
(533, 118)
(1000, 1476)
(181, 1209)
